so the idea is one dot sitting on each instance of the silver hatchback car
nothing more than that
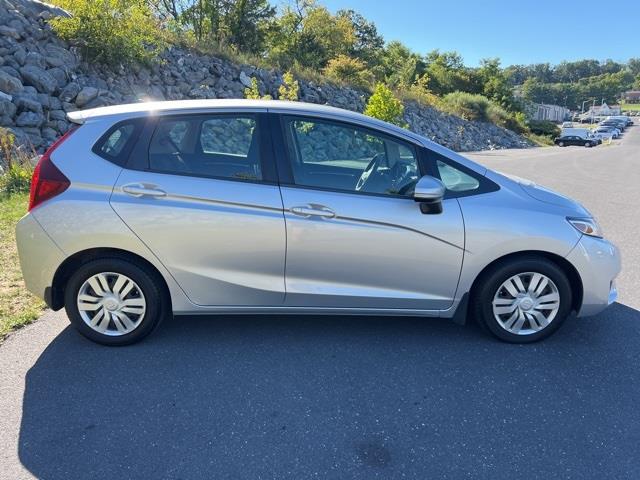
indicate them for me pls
(202, 207)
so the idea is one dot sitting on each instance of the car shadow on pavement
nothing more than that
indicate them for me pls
(337, 397)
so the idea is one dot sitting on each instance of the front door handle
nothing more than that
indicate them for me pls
(143, 190)
(313, 210)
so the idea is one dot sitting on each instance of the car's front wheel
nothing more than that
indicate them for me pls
(524, 300)
(561, 144)
(114, 302)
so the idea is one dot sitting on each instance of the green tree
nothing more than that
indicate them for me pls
(368, 43)
(110, 31)
(309, 35)
(447, 73)
(248, 21)
(241, 24)
(383, 105)
(495, 84)
(289, 90)
(399, 66)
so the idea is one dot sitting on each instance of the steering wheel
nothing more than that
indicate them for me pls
(371, 169)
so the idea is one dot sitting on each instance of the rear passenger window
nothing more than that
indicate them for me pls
(114, 145)
(225, 146)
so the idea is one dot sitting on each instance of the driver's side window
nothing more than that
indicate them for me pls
(340, 156)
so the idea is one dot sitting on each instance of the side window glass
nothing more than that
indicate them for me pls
(112, 147)
(456, 180)
(338, 156)
(230, 136)
(222, 146)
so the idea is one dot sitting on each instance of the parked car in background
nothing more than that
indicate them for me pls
(619, 124)
(569, 140)
(243, 206)
(623, 118)
(602, 136)
(604, 129)
(580, 132)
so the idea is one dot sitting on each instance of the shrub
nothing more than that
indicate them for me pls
(478, 107)
(7, 144)
(16, 179)
(469, 106)
(253, 92)
(111, 31)
(348, 70)
(289, 88)
(544, 127)
(383, 105)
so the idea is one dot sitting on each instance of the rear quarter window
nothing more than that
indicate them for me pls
(116, 144)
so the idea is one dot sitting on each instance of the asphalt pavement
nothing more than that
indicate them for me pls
(279, 397)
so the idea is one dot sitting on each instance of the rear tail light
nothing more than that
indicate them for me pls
(47, 181)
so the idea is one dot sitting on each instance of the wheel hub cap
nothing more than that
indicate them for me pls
(111, 303)
(526, 303)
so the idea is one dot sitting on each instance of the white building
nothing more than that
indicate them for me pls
(552, 113)
(603, 110)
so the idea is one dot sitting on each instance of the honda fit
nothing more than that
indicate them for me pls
(150, 210)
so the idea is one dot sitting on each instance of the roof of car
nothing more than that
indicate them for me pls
(195, 106)
(279, 106)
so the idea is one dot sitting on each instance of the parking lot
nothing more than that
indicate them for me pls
(341, 397)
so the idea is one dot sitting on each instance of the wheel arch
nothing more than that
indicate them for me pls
(55, 298)
(572, 274)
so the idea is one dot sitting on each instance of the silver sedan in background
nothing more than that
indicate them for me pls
(202, 207)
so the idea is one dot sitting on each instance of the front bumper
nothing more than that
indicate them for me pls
(598, 263)
(39, 256)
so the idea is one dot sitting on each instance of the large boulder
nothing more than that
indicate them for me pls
(9, 32)
(9, 84)
(68, 93)
(59, 57)
(7, 109)
(30, 119)
(39, 78)
(85, 96)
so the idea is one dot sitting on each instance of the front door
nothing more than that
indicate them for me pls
(355, 236)
(201, 199)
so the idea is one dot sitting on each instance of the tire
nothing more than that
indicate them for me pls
(588, 145)
(491, 290)
(143, 303)
(561, 144)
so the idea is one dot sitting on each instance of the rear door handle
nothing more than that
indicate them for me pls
(143, 190)
(313, 210)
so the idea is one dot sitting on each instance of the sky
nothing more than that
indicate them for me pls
(517, 31)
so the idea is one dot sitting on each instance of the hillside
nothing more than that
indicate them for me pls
(42, 78)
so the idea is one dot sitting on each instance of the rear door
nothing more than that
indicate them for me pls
(201, 192)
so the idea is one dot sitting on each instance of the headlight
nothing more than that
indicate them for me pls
(587, 226)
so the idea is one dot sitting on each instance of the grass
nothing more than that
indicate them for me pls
(540, 140)
(630, 107)
(18, 307)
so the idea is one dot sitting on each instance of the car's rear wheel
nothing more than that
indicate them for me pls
(524, 300)
(114, 302)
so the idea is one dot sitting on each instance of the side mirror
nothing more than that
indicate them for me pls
(429, 192)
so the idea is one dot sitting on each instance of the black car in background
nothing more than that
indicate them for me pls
(567, 140)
